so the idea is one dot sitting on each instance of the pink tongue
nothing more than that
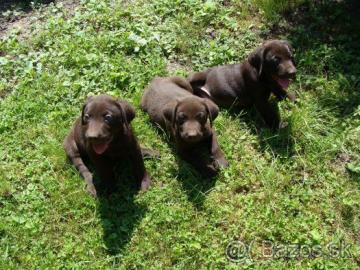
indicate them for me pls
(284, 83)
(100, 148)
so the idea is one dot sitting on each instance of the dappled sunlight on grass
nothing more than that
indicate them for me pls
(296, 186)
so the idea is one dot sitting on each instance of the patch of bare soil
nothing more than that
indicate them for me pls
(173, 66)
(21, 15)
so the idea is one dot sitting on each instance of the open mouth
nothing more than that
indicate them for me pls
(100, 147)
(282, 82)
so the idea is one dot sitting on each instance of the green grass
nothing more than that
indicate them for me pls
(274, 8)
(298, 186)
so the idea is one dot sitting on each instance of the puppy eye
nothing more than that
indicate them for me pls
(86, 117)
(277, 59)
(201, 115)
(181, 118)
(108, 118)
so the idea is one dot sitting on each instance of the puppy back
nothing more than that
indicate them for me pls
(162, 91)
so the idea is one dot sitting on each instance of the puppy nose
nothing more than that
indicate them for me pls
(94, 131)
(92, 135)
(291, 71)
(191, 135)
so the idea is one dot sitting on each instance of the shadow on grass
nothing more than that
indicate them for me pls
(355, 177)
(21, 5)
(119, 213)
(327, 33)
(194, 184)
(280, 142)
(13, 10)
(326, 37)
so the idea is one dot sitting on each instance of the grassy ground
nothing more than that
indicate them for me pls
(299, 186)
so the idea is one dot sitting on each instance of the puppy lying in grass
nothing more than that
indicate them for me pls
(188, 119)
(103, 135)
(267, 70)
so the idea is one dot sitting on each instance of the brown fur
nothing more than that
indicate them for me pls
(103, 135)
(187, 118)
(251, 82)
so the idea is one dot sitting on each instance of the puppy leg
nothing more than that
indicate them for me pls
(139, 168)
(269, 113)
(291, 96)
(104, 167)
(73, 154)
(217, 153)
(199, 163)
(281, 94)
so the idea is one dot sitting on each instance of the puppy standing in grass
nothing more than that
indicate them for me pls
(104, 135)
(267, 70)
(171, 104)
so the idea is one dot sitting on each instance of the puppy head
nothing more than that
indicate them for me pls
(191, 117)
(274, 61)
(103, 118)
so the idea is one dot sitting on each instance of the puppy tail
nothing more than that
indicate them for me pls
(197, 79)
(183, 83)
(143, 103)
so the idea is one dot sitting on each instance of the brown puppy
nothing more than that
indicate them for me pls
(103, 135)
(188, 119)
(267, 70)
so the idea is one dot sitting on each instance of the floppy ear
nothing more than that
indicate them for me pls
(290, 48)
(127, 111)
(170, 111)
(83, 109)
(212, 109)
(256, 59)
(288, 45)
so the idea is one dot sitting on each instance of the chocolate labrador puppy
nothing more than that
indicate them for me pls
(103, 135)
(188, 119)
(267, 70)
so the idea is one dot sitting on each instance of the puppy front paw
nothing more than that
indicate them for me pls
(210, 170)
(145, 183)
(89, 184)
(283, 124)
(150, 153)
(91, 189)
(291, 96)
(221, 163)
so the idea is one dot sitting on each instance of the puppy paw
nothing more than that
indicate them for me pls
(292, 96)
(145, 183)
(283, 125)
(91, 189)
(211, 170)
(150, 153)
(221, 163)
